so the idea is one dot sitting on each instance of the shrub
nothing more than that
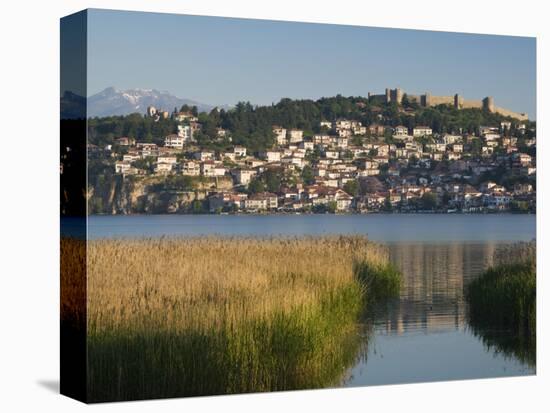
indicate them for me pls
(381, 280)
(504, 297)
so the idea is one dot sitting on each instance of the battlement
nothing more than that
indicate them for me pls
(428, 100)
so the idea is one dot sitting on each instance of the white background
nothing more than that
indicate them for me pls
(29, 76)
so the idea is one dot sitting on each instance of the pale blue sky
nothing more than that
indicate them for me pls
(222, 61)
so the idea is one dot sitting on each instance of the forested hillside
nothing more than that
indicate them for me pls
(251, 125)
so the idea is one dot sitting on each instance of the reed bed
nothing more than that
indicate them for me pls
(516, 252)
(182, 317)
(381, 279)
(73, 281)
(504, 297)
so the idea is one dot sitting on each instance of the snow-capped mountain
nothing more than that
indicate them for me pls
(112, 101)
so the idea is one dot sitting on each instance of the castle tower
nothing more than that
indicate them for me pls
(459, 101)
(388, 97)
(426, 99)
(489, 104)
(399, 95)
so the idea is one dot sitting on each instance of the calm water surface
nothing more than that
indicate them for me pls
(381, 227)
(424, 335)
(421, 336)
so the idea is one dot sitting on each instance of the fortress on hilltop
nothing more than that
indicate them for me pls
(428, 100)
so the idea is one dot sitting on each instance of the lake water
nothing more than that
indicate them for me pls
(421, 336)
(424, 335)
(378, 227)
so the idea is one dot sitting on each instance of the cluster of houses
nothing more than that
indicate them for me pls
(394, 173)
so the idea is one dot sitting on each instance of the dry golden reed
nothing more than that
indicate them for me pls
(181, 317)
(180, 284)
(73, 281)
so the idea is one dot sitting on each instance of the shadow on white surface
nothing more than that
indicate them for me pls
(51, 385)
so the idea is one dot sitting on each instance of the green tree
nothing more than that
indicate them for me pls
(352, 187)
(405, 101)
(273, 180)
(147, 164)
(445, 198)
(428, 201)
(313, 156)
(357, 140)
(519, 206)
(387, 207)
(307, 175)
(332, 206)
(255, 186)
(347, 154)
(197, 207)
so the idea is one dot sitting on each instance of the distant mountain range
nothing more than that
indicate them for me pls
(73, 106)
(111, 102)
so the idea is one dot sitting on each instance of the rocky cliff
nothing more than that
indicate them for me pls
(152, 195)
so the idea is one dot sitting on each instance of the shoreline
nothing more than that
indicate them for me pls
(314, 214)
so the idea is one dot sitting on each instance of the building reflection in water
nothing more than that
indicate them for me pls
(434, 280)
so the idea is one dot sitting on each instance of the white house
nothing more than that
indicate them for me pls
(244, 176)
(125, 141)
(147, 149)
(505, 125)
(164, 168)
(295, 135)
(184, 116)
(229, 155)
(343, 124)
(270, 156)
(171, 159)
(185, 132)
(522, 159)
(240, 151)
(332, 154)
(131, 156)
(359, 130)
(190, 168)
(204, 155)
(342, 142)
(420, 131)
(124, 167)
(401, 131)
(325, 124)
(212, 169)
(261, 201)
(458, 148)
(451, 139)
(491, 137)
(280, 135)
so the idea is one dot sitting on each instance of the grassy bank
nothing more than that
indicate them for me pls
(215, 316)
(504, 298)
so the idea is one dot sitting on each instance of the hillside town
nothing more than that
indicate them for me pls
(346, 167)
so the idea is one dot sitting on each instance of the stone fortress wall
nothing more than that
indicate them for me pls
(428, 100)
